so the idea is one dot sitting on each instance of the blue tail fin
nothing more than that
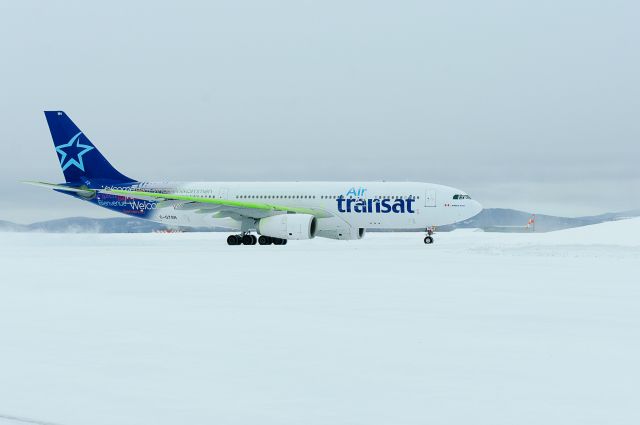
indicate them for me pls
(79, 159)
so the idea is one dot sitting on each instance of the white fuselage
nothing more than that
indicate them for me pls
(364, 205)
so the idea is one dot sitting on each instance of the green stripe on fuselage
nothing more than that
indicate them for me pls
(225, 202)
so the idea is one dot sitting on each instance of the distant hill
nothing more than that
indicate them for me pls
(97, 225)
(7, 226)
(507, 220)
(490, 219)
(86, 225)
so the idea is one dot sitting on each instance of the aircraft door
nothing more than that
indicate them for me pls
(224, 193)
(430, 198)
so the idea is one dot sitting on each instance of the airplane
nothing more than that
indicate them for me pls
(276, 211)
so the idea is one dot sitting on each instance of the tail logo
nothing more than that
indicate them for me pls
(72, 152)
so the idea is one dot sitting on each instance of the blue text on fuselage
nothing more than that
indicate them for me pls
(356, 192)
(382, 206)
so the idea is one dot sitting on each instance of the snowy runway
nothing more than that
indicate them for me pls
(182, 329)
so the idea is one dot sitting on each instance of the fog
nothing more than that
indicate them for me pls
(524, 105)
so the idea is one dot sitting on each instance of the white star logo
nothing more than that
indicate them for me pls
(75, 154)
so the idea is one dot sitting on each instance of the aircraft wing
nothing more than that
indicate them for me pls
(218, 207)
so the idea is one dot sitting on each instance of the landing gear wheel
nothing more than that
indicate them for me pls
(247, 239)
(264, 240)
(429, 238)
(254, 240)
(233, 240)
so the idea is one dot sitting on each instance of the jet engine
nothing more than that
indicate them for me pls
(288, 226)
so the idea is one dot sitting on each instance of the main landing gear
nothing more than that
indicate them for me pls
(268, 240)
(248, 239)
(429, 238)
(242, 239)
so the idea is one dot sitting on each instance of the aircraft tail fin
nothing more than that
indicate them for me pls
(80, 160)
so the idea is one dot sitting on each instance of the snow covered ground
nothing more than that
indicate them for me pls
(479, 328)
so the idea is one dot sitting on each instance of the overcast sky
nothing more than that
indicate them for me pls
(532, 105)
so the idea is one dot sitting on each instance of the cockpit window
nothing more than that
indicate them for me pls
(460, 196)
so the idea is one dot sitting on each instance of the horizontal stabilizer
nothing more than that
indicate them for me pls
(79, 190)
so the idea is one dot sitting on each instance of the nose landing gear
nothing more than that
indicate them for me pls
(429, 238)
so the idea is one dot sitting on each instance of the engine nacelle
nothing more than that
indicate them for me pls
(335, 228)
(288, 226)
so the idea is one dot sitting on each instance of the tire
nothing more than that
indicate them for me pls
(284, 241)
(247, 239)
(428, 240)
(264, 240)
(232, 240)
(254, 240)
